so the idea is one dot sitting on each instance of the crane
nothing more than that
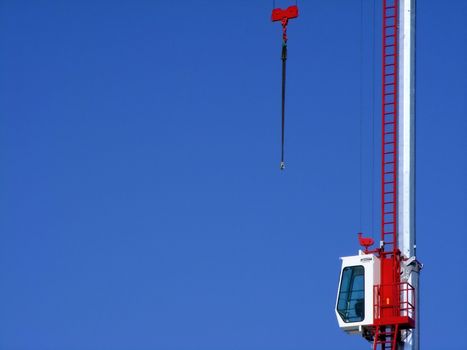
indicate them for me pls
(378, 288)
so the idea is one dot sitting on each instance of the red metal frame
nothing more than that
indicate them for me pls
(402, 313)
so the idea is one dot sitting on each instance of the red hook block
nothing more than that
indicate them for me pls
(279, 14)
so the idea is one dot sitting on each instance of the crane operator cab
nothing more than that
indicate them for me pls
(354, 304)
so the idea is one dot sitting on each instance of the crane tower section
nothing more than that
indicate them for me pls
(378, 287)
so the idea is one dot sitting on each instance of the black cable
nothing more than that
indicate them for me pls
(284, 60)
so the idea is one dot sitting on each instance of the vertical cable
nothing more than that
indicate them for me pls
(361, 121)
(372, 120)
(284, 61)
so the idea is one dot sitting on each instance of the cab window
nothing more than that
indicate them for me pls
(351, 301)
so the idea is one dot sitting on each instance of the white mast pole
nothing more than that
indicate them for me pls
(406, 161)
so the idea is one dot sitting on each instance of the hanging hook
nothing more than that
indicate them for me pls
(283, 16)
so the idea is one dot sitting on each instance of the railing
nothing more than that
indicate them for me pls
(400, 301)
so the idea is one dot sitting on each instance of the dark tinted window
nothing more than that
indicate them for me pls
(351, 301)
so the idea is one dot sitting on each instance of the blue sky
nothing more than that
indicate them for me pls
(142, 206)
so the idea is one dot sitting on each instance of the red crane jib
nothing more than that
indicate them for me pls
(279, 14)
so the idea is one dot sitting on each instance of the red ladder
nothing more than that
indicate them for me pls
(389, 127)
(386, 332)
(386, 337)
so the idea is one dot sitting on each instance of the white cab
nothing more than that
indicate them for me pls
(354, 303)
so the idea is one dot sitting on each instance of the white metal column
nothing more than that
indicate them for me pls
(406, 161)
